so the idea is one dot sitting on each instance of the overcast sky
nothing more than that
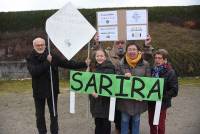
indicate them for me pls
(26, 5)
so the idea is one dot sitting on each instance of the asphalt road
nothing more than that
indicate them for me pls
(17, 114)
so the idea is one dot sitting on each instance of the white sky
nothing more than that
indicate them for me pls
(26, 5)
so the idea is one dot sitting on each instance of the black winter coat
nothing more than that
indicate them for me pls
(99, 107)
(170, 87)
(39, 67)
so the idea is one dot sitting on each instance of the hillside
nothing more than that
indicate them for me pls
(173, 28)
(183, 45)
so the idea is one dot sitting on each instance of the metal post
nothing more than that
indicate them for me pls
(52, 92)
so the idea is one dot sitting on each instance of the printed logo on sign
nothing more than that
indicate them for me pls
(136, 29)
(108, 36)
(107, 21)
(67, 42)
(136, 16)
(136, 34)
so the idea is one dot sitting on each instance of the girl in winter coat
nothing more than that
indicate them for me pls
(132, 65)
(99, 105)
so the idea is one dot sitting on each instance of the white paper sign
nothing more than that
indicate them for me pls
(69, 30)
(136, 32)
(136, 16)
(108, 33)
(107, 18)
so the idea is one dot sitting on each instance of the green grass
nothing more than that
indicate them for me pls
(189, 81)
(64, 84)
(16, 86)
(21, 86)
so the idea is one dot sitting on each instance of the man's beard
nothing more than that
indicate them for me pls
(120, 52)
(40, 51)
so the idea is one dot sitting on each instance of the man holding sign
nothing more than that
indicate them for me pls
(38, 63)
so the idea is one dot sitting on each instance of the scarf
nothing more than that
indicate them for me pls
(158, 71)
(134, 62)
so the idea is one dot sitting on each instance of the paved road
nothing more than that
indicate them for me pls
(17, 114)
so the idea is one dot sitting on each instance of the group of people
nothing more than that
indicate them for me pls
(125, 58)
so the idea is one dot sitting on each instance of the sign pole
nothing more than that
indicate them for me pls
(157, 113)
(52, 92)
(72, 102)
(112, 108)
(88, 102)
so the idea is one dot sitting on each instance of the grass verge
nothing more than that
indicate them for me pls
(19, 86)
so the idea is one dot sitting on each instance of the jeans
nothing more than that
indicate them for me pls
(125, 123)
(40, 115)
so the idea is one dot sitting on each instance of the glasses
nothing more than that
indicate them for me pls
(158, 58)
(132, 49)
(39, 45)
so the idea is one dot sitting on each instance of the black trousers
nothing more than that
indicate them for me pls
(102, 126)
(117, 120)
(40, 115)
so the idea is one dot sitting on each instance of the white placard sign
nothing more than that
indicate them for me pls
(137, 24)
(107, 18)
(136, 16)
(130, 25)
(69, 30)
(108, 33)
(136, 32)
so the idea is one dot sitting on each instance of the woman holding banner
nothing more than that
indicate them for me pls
(115, 55)
(99, 105)
(132, 64)
(164, 70)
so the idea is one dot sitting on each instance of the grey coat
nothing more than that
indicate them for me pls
(131, 106)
